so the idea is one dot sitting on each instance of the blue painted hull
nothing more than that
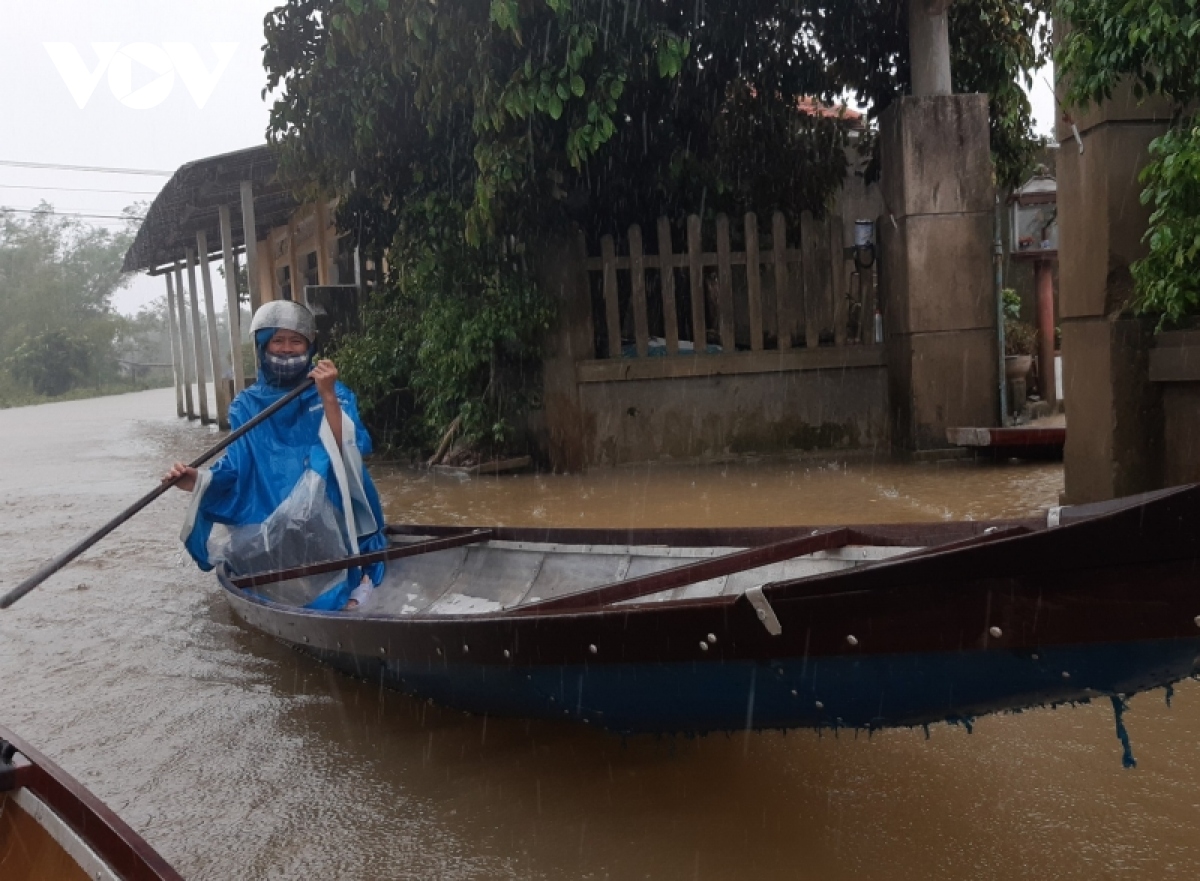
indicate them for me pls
(868, 692)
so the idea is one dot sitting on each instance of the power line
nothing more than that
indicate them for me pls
(78, 189)
(15, 164)
(70, 214)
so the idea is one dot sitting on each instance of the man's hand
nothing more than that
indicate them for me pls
(325, 375)
(186, 475)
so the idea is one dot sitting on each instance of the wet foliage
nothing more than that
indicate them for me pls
(1153, 48)
(495, 124)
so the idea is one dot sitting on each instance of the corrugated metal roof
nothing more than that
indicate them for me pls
(190, 202)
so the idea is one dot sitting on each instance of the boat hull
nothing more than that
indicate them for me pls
(52, 828)
(873, 692)
(1107, 604)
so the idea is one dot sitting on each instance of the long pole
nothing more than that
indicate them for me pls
(83, 544)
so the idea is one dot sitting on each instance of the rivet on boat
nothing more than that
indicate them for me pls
(1066, 675)
(712, 639)
(996, 632)
(852, 639)
(466, 649)
(1197, 620)
(306, 639)
(762, 614)
(382, 650)
(1034, 656)
(795, 693)
(339, 645)
(438, 650)
(592, 648)
(820, 706)
(703, 646)
(507, 653)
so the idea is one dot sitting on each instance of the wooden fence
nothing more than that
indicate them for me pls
(710, 299)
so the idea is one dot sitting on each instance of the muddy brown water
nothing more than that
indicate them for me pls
(240, 759)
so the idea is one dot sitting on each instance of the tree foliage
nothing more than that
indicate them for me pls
(1153, 46)
(57, 278)
(52, 362)
(499, 122)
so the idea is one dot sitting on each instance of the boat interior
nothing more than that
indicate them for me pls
(496, 575)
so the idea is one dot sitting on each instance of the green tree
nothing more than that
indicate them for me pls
(490, 125)
(57, 278)
(52, 362)
(1153, 46)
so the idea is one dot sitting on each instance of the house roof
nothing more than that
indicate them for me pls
(190, 202)
(812, 107)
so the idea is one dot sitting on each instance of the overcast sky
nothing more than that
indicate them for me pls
(139, 85)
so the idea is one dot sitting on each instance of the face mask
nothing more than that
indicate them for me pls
(284, 370)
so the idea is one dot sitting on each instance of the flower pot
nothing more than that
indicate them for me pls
(1017, 366)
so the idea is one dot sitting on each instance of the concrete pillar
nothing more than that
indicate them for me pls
(197, 338)
(220, 389)
(231, 300)
(250, 236)
(185, 345)
(563, 277)
(1114, 417)
(937, 288)
(176, 357)
(929, 47)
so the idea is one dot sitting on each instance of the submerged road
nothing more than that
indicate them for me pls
(238, 758)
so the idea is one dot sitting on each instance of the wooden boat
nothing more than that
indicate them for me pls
(52, 829)
(694, 630)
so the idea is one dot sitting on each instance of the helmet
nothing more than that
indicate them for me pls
(287, 315)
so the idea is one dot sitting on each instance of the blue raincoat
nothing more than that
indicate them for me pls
(284, 495)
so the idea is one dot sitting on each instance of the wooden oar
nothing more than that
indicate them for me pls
(83, 544)
(397, 552)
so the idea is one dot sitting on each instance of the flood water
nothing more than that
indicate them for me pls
(240, 759)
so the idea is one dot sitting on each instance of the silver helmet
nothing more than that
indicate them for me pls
(287, 315)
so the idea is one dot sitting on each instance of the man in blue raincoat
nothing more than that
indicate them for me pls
(294, 489)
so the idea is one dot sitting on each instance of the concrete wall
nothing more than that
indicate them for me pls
(1115, 412)
(698, 417)
(1175, 370)
(604, 412)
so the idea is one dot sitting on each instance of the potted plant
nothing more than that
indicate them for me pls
(1020, 338)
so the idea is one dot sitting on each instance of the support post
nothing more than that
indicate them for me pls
(197, 338)
(173, 334)
(562, 274)
(929, 47)
(1044, 275)
(220, 388)
(231, 300)
(1115, 443)
(250, 237)
(937, 294)
(185, 345)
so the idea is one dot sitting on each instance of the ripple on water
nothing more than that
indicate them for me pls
(239, 758)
